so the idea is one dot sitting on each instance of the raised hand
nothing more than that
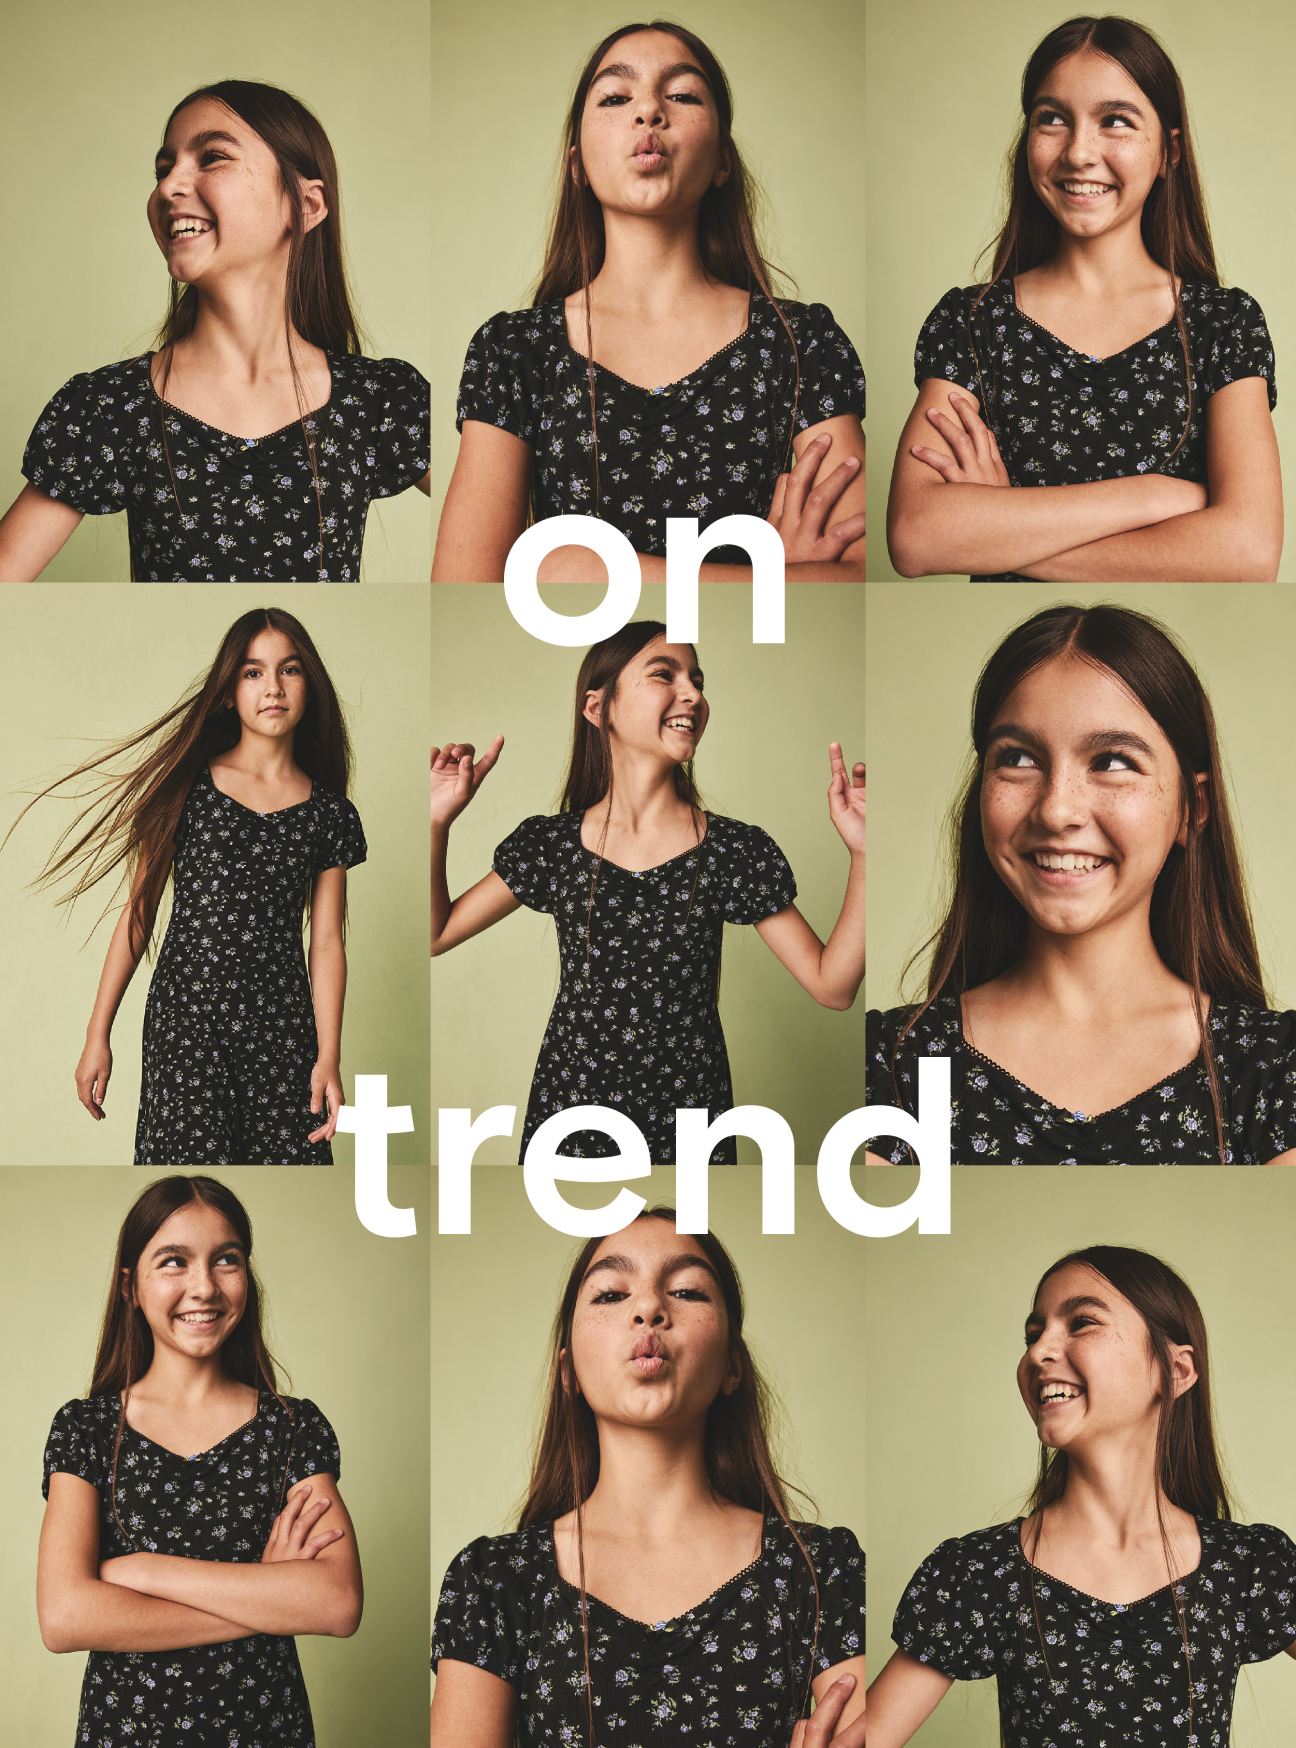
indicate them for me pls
(846, 799)
(456, 779)
(976, 460)
(290, 1533)
(818, 1732)
(800, 514)
(92, 1074)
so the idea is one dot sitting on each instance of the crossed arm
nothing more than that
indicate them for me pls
(952, 509)
(308, 1580)
(817, 510)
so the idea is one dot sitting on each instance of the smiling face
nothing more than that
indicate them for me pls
(659, 708)
(650, 1343)
(191, 1282)
(1081, 798)
(270, 689)
(1094, 145)
(219, 205)
(1088, 1371)
(650, 132)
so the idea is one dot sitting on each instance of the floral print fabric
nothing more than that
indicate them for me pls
(217, 1505)
(735, 1669)
(229, 1025)
(710, 445)
(1097, 1674)
(249, 508)
(1061, 418)
(994, 1120)
(635, 1026)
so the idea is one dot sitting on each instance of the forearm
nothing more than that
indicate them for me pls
(94, 1616)
(119, 967)
(1219, 544)
(841, 965)
(441, 900)
(328, 977)
(940, 529)
(653, 570)
(285, 1598)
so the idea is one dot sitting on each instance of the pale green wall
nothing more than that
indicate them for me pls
(804, 1294)
(949, 1446)
(84, 91)
(925, 649)
(89, 663)
(942, 101)
(502, 81)
(764, 760)
(347, 1321)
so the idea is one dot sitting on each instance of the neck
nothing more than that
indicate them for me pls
(643, 796)
(270, 759)
(239, 331)
(651, 268)
(1095, 977)
(180, 1382)
(1112, 1499)
(652, 1484)
(1110, 266)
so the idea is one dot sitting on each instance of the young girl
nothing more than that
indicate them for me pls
(656, 374)
(1122, 1604)
(250, 443)
(1103, 364)
(640, 880)
(238, 794)
(1095, 982)
(656, 1578)
(186, 1444)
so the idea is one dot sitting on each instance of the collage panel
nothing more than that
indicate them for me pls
(1110, 315)
(223, 373)
(324, 1396)
(1153, 1352)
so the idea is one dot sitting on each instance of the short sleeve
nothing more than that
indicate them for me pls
(72, 1448)
(497, 386)
(839, 1573)
(945, 1615)
(1238, 346)
(341, 842)
(832, 377)
(753, 874)
(398, 425)
(76, 451)
(479, 1617)
(944, 350)
(1266, 1592)
(525, 863)
(315, 1446)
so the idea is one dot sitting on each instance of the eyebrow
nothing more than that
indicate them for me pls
(623, 70)
(1069, 1305)
(1089, 743)
(675, 663)
(205, 138)
(188, 1250)
(1109, 106)
(623, 1265)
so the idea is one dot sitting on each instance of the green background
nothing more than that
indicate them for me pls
(925, 650)
(804, 1296)
(99, 661)
(943, 102)
(347, 1322)
(764, 759)
(502, 81)
(85, 89)
(949, 1446)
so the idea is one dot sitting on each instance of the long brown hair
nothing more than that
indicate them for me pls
(740, 1466)
(1200, 916)
(127, 817)
(125, 1350)
(728, 230)
(1174, 225)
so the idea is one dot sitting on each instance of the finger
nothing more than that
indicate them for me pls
(841, 534)
(835, 758)
(820, 1730)
(317, 1544)
(971, 419)
(336, 1100)
(824, 496)
(954, 434)
(945, 465)
(294, 1505)
(486, 763)
(803, 476)
(319, 1080)
(858, 772)
(780, 498)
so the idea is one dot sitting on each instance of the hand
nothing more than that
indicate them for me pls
(455, 779)
(290, 1537)
(800, 515)
(975, 461)
(326, 1090)
(92, 1075)
(818, 1733)
(846, 800)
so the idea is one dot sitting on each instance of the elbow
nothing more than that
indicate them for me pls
(907, 547)
(58, 1630)
(345, 1614)
(839, 1000)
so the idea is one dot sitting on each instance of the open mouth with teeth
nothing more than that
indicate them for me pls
(198, 1319)
(1067, 861)
(681, 724)
(1052, 1394)
(1088, 190)
(188, 227)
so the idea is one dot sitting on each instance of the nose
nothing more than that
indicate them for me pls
(175, 183)
(650, 1309)
(1062, 805)
(649, 114)
(1082, 144)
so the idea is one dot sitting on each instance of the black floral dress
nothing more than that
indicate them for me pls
(635, 1026)
(107, 442)
(710, 445)
(217, 1505)
(735, 1669)
(995, 1120)
(1061, 418)
(1097, 1674)
(229, 1025)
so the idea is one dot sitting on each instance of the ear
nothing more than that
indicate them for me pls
(733, 1377)
(592, 708)
(568, 1373)
(1183, 1370)
(127, 1290)
(723, 168)
(1201, 810)
(573, 164)
(1170, 158)
(314, 207)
